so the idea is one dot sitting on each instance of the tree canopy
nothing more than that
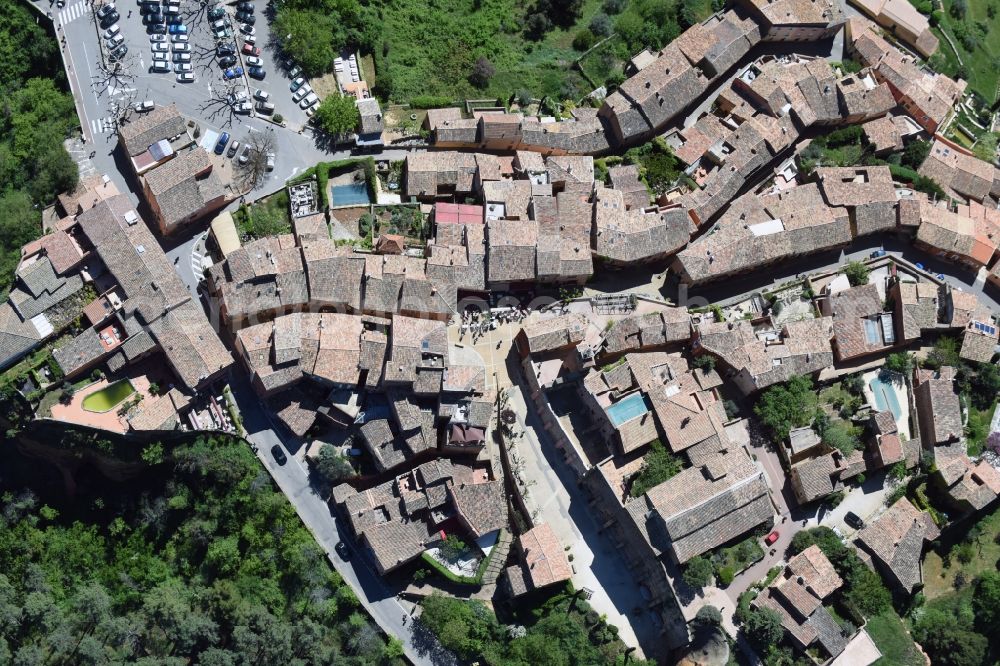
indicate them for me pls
(786, 406)
(200, 561)
(338, 115)
(658, 466)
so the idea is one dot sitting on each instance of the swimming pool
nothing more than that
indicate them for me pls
(108, 397)
(627, 409)
(353, 194)
(885, 397)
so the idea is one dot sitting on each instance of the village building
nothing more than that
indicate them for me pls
(893, 543)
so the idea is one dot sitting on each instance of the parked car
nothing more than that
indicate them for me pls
(216, 13)
(220, 145)
(178, 29)
(158, 47)
(854, 520)
(232, 73)
(233, 147)
(243, 108)
(183, 67)
(110, 19)
(160, 56)
(877, 253)
(143, 107)
(296, 84)
(159, 66)
(771, 538)
(118, 53)
(256, 72)
(245, 155)
(174, 19)
(254, 61)
(270, 161)
(157, 39)
(182, 57)
(222, 33)
(304, 90)
(248, 30)
(265, 108)
(261, 95)
(251, 50)
(172, 9)
(227, 61)
(158, 29)
(279, 455)
(152, 19)
(149, 8)
(111, 32)
(294, 71)
(244, 6)
(105, 10)
(115, 41)
(249, 39)
(343, 550)
(308, 101)
(225, 49)
(185, 77)
(246, 17)
(182, 48)
(236, 96)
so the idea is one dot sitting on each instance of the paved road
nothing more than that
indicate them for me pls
(293, 480)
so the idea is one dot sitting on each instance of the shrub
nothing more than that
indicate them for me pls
(429, 102)
(278, 118)
(698, 572)
(857, 273)
(601, 25)
(726, 575)
(900, 362)
(482, 72)
(583, 40)
(709, 615)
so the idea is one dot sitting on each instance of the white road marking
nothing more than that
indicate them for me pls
(73, 12)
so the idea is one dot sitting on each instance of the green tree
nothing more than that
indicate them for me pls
(332, 466)
(658, 465)
(452, 547)
(763, 627)
(708, 614)
(698, 572)
(986, 601)
(601, 25)
(949, 645)
(856, 272)
(786, 406)
(338, 115)
(900, 362)
(841, 436)
(945, 353)
(915, 153)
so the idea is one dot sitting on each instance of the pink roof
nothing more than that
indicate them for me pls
(449, 213)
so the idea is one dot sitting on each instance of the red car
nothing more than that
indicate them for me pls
(771, 538)
(249, 49)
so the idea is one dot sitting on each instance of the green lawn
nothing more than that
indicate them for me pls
(978, 428)
(889, 634)
(265, 217)
(980, 61)
(939, 579)
(432, 47)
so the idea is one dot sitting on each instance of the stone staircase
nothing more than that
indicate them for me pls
(498, 558)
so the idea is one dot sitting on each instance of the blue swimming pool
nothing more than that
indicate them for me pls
(885, 397)
(627, 409)
(354, 194)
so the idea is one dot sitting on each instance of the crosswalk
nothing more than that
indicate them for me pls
(102, 125)
(73, 12)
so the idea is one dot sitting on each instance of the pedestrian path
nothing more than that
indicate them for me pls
(73, 12)
(102, 125)
(81, 155)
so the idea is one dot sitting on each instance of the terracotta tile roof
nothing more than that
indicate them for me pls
(816, 572)
(163, 122)
(939, 410)
(859, 325)
(184, 186)
(482, 507)
(703, 507)
(815, 477)
(883, 134)
(916, 307)
(895, 540)
(627, 235)
(555, 333)
(544, 557)
(978, 343)
(649, 330)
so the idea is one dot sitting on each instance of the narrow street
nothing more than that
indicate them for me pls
(391, 614)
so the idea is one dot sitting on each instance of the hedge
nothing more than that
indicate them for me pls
(455, 578)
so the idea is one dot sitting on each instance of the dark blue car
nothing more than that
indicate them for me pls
(256, 72)
(221, 144)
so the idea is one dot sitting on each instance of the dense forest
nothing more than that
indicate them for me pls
(200, 561)
(37, 116)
